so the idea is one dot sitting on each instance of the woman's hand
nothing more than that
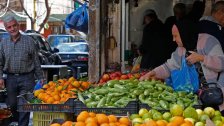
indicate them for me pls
(148, 76)
(195, 57)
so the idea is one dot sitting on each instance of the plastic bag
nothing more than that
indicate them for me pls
(185, 79)
(136, 64)
(38, 85)
(78, 19)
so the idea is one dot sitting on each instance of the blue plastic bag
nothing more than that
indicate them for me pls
(78, 19)
(38, 85)
(186, 78)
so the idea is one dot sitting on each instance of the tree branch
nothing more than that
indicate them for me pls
(48, 9)
(33, 20)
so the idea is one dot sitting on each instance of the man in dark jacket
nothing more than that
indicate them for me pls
(154, 42)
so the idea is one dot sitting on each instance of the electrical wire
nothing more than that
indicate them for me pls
(17, 13)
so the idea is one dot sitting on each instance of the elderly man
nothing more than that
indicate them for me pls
(19, 60)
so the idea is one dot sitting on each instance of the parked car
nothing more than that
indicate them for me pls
(48, 56)
(55, 40)
(75, 55)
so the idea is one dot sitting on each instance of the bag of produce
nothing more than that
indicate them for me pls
(185, 78)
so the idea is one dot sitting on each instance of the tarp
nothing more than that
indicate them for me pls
(78, 19)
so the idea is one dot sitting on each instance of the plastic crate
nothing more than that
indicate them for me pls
(45, 118)
(130, 108)
(25, 106)
(59, 121)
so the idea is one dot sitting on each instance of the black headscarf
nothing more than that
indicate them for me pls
(189, 33)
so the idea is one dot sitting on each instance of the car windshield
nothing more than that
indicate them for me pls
(56, 40)
(73, 47)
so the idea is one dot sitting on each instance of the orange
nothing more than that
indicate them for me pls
(59, 88)
(41, 96)
(186, 124)
(178, 120)
(123, 125)
(46, 86)
(91, 120)
(76, 84)
(102, 118)
(56, 102)
(161, 123)
(50, 100)
(112, 118)
(112, 124)
(151, 123)
(187, 121)
(37, 92)
(91, 124)
(80, 124)
(85, 85)
(55, 124)
(124, 120)
(92, 114)
(117, 123)
(104, 124)
(82, 116)
(71, 79)
(67, 123)
(171, 124)
(56, 97)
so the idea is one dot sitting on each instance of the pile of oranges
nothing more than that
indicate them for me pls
(60, 91)
(66, 123)
(92, 119)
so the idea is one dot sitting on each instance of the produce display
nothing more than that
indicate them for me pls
(96, 119)
(117, 93)
(177, 116)
(58, 92)
(119, 76)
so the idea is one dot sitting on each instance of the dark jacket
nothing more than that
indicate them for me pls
(153, 45)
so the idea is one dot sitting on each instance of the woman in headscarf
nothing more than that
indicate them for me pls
(185, 34)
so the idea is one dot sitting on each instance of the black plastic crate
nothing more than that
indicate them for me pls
(130, 108)
(25, 106)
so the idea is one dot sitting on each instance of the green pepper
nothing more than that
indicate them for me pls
(181, 103)
(164, 104)
(108, 99)
(92, 104)
(88, 100)
(163, 86)
(155, 94)
(101, 102)
(169, 99)
(114, 99)
(118, 86)
(151, 103)
(116, 94)
(80, 97)
(111, 83)
(141, 97)
(101, 91)
(138, 92)
(186, 100)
